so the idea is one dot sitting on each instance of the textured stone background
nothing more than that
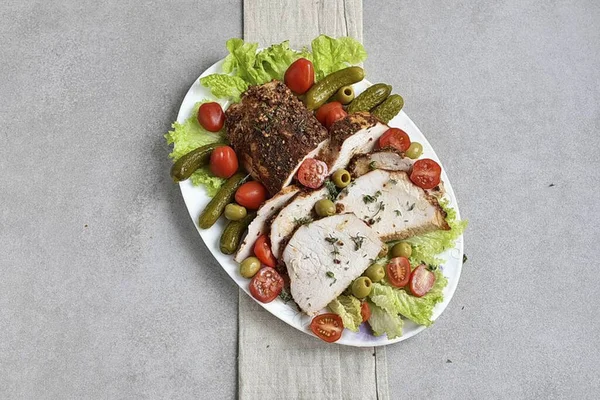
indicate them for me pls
(106, 290)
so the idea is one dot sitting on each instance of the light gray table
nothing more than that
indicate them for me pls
(106, 290)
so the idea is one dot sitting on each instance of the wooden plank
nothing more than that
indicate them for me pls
(268, 21)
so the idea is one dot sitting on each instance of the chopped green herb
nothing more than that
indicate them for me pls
(393, 181)
(285, 296)
(330, 274)
(302, 221)
(332, 189)
(398, 213)
(411, 207)
(331, 239)
(358, 241)
(372, 165)
(369, 199)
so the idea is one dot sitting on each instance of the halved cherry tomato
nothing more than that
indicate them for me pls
(211, 116)
(398, 271)
(325, 109)
(426, 173)
(223, 162)
(421, 281)
(312, 173)
(328, 327)
(266, 285)
(300, 76)
(334, 115)
(251, 195)
(396, 138)
(365, 311)
(262, 251)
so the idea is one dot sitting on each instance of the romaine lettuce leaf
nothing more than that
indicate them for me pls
(225, 86)
(189, 136)
(426, 247)
(417, 309)
(330, 55)
(382, 321)
(348, 308)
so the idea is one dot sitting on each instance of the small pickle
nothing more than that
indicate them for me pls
(235, 212)
(224, 196)
(185, 166)
(341, 178)
(345, 95)
(414, 151)
(370, 98)
(318, 94)
(232, 234)
(402, 249)
(375, 272)
(249, 267)
(361, 287)
(325, 208)
(387, 110)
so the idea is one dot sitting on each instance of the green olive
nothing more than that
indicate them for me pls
(414, 151)
(325, 208)
(341, 178)
(402, 249)
(375, 272)
(345, 95)
(249, 267)
(234, 212)
(361, 287)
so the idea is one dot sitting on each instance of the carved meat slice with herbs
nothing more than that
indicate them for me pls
(298, 212)
(388, 159)
(392, 205)
(259, 225)
(357, 133)
(272, 132)
(325, 256)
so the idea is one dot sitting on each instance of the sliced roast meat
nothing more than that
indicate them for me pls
(387, 159)
(258, 226)
(272, 132)
(392, 205)
(297, 212)
(325, 256)
(355, 134)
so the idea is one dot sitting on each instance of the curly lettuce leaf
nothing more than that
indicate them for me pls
(383, 321)
(330, 55)
(417, 309)
(348, 308)
(225, 86)
(426, 247)
(189, 136)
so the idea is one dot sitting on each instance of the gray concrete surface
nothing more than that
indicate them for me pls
(107, 292)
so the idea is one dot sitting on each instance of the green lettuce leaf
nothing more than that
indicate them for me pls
(276, 59)
(426, 247)
(330, 55)
(225, 86)
(348, 308)
(382, 321)
(417, 309)
(189, 136)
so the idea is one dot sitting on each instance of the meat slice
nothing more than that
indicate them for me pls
(355, 134)
(272, 132)
(325, 256)
(258, 226)
(297, 212)
(392, 205)
(387, 159)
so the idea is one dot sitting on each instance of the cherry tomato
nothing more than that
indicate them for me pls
(426, 173)
(325, 109)
(223, 162)
(312, 173)
(421, 281)
(300, 76)
(365, 311)
(251, 195)
(398, 271)
(396, 138)
(266, 285)
(211, 116)
(328, 327)
(262, 251)
(334, 115)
